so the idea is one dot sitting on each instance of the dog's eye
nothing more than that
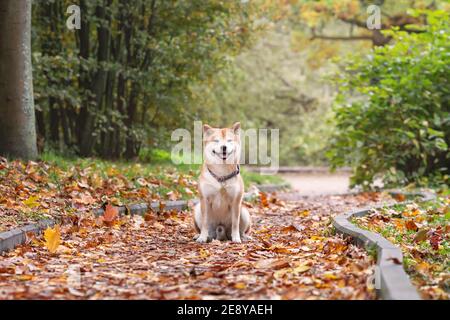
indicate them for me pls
(216, 140)
(229, 140)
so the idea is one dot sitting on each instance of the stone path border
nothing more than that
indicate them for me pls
(391, 279)
(10, 239)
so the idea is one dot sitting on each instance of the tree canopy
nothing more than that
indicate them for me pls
(121, 80)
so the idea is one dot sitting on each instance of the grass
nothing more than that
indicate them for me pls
(421, 230)
(161, 170)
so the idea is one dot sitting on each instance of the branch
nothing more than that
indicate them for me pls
(359, 23)
(350, 38)
(400, 21)
(302, 99)
(345, 38)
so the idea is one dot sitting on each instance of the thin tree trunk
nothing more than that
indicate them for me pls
(65, 127)
(17, 117)
(98, 84)
(54, 122)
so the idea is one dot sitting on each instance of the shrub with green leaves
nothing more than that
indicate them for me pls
(392, 112)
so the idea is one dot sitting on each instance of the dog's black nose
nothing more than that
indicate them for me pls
(224, 149)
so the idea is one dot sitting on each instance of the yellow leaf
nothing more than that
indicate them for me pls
(330, 276)
(303, 213)
(24, 277)
(204, 253)
(31, 202)
(52, 238)
(423, 266)
(240, 285)
(301, 268)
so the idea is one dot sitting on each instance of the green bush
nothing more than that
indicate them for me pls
(154, 155)
(392, 112)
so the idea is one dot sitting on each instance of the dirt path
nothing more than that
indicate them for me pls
(314, 184)
(293, 255)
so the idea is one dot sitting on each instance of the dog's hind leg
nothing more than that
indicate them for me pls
(197, 220)
(245, 224)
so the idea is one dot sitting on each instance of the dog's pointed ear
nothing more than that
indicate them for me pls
(206, 128)
(236, 127)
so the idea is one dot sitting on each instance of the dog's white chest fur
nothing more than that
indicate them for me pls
(221, 195)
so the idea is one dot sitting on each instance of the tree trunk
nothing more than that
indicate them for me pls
(17, 118)
(99, 82)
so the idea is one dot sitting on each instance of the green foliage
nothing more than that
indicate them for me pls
(154, 155)
(272, 86)
(121, 82)
(392, 112)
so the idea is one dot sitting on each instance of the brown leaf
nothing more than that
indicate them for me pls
(400, 197)
(110, 215)
(263, 199)
(394, 260)
(291, 227)
(274, 264)
(435, 240)
(410, 225)
(421, 235)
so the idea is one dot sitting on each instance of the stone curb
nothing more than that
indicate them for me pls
(10, 239)
(179, 205)
(394, 283)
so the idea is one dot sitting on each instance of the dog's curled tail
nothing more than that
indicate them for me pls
(220, 233)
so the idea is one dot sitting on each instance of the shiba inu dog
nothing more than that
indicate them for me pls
(220, 214)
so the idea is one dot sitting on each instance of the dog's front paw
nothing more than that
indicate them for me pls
(236, 238)
(202, 238)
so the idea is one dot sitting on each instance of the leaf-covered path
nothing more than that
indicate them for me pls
(293, 255)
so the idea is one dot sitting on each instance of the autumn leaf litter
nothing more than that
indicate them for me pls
(293, 255)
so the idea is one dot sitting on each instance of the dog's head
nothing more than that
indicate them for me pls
(222, 145)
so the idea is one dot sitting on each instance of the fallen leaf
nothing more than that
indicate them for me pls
(31, 202)
(303, 213)
(410, 225)
(110, 215)
(274, 264)
(158, 226)
(240, 285)
(52, 238)
(263, 199)
(301, 268)
(400, 197)
(204, 253)
(330, 276)
(290, 228)
(435, 240)
(394, 260)
(421, 235)
(24, 277)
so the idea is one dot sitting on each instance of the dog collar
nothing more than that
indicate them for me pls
(227, 177)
